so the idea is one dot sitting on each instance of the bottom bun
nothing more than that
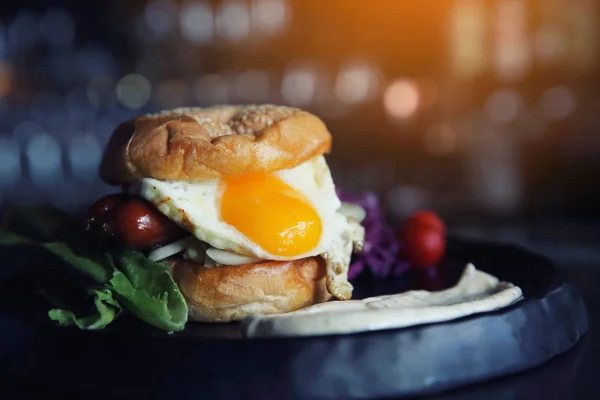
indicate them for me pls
(231, 293)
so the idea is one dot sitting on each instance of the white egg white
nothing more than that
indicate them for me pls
(196, 207)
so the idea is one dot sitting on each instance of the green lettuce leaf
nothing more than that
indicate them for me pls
(107, 309)
(87, 265)
(54, 231)
(129, 279)
(148, 291)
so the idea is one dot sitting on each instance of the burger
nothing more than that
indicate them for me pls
(238, 201)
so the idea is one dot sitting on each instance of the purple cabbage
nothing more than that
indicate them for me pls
(381, 253)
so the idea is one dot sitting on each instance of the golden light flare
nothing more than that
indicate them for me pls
(401, 99)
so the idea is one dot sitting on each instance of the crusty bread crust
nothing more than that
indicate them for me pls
(231, 293)
(207, 143)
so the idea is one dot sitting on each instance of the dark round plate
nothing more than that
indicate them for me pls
(214, 361)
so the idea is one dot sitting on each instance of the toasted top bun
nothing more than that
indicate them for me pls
(233, 292)
(205, 143)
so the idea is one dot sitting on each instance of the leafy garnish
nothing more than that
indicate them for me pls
(107, 309)
(147, 290)
(119, 279)
(86, 265)
(55, 232)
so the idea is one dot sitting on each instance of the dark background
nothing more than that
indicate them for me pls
(485, 111)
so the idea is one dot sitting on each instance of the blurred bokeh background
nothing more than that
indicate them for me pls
(481, 110)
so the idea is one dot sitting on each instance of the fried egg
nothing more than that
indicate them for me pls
(284, 215)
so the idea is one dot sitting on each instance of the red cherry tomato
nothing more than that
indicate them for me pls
(429, 218)
(103, 207)
(99, 222)
(424, 240)
(141, 226)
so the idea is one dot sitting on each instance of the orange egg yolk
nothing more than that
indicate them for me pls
(271, 214)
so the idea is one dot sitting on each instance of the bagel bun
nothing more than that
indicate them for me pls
(231, 293)
(189, 144)
(252, 188)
